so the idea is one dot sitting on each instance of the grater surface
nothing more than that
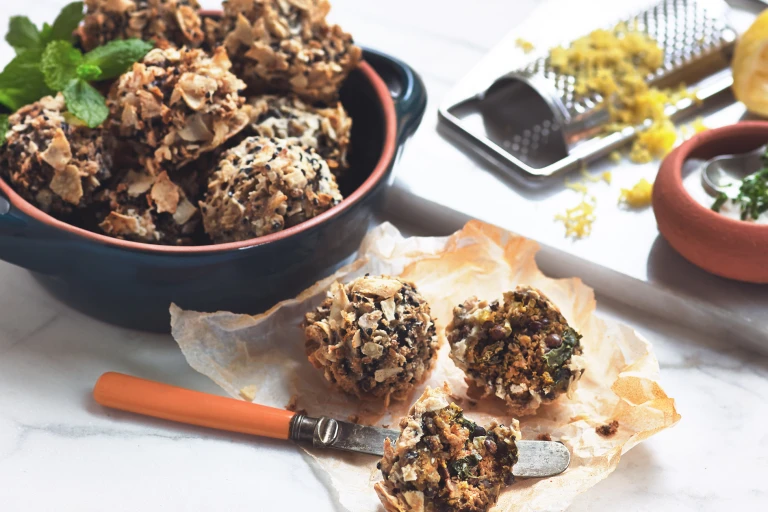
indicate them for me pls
(684, 31)
(532, 120)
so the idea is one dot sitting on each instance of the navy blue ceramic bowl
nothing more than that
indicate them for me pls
(132, 284)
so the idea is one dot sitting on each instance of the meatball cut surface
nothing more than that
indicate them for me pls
(521, 350)
(373, 338)
(170, 23)
(51, 163)
(263, 186)
(444, 461)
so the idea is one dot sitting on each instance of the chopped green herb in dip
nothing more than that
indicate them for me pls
(751, 201)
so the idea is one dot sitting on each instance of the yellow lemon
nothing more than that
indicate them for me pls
(750, 67)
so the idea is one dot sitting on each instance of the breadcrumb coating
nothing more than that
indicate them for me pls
(150, 209)
(286, 46)
(373, 338)
(53, 164)
(326, 130)
(521, 350)
(263, 186)
(176, 105)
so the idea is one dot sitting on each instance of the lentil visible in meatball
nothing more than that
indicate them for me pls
(444, 461)
(373, 338)
(520, 350)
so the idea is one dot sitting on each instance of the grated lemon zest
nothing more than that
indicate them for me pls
(614, 64)
(576, 186)
(578, 220)
(699, 126)
(524, 45)
(639, 196)
(615, 157)
(589, 177)
(607, 177)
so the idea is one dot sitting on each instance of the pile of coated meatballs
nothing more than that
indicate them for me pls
(230, 129)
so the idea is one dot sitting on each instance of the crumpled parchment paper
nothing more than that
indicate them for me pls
(262, 358)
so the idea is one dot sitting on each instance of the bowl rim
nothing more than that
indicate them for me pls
(701, 140)
(387, 155)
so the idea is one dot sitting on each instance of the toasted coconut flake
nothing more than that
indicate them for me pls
(165, 194)
(259, 189)
(184, 212)
(167, 22)
(377, 287)
(286, 47)
(362, 352)
(67, 185)
(118, 224)
(138, 182)
(59, 152)
(176, 105)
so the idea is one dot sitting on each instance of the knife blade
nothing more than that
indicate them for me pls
(536, 459)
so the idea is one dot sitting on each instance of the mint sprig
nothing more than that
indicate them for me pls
(117, 57)
(59, 64)
(66, 22)
(46, 62)
(3, 127)
(85, 102)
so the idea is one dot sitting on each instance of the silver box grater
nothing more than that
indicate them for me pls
(531, 121)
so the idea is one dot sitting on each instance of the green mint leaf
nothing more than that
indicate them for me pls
(45, 34)
(66, 22)
(22, 81)
(89, 72)
(3, 128)
(59, 64)
(116, 57)
(22, 72)
(86, 102)
(22, 34)
(13, 99)
(719, 202)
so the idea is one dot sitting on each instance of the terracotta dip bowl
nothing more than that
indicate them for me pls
(720, 245)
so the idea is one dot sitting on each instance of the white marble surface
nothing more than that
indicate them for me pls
(60, 451)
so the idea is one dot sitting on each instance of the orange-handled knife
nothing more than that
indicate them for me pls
(132, 394)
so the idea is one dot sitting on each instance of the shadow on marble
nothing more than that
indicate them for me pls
(638, 472)
(667, 268)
